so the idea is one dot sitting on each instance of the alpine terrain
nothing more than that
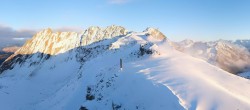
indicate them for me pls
(72, 71)
(231, 56)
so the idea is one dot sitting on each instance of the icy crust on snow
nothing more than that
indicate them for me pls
(154, 77)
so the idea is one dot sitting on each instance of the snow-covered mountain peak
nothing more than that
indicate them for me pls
(50, 42)
(155, 34)
(53, 43)
(94, 34)
(48, 30)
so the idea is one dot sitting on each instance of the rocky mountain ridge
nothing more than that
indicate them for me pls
(46, 43)
(54, 43)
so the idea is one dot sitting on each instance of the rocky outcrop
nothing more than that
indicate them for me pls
(53, 43)
(48, 43)
(155, 33)
(94, 34)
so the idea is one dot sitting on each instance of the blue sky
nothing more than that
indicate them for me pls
(177, 19)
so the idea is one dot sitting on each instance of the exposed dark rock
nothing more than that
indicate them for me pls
(144, 49)
(116, 106)
(83, 108)
(89, 95)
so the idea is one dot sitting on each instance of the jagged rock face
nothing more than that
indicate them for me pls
(49, 43)
(94, 34)
(54, 43)
(155, 33)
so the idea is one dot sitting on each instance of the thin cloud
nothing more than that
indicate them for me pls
(19, 39)
(9, 33)
(10, 36)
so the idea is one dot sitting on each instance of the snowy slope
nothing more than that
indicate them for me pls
(155, 77)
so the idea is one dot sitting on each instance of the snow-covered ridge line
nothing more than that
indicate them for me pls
(53, 43)
(48, 43)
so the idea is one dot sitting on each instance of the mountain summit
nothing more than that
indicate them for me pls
(71, 71)
(59, 42)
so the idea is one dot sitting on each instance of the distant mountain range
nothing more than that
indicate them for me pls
(6, 52)
(231, 56)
